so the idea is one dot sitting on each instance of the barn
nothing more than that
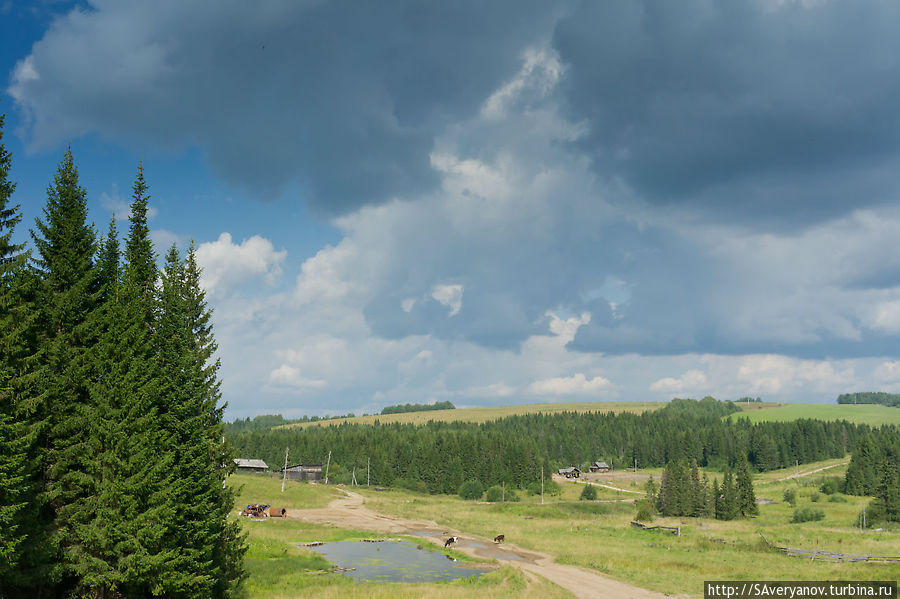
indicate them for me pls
(600, 467)
(307, 472)
(570, 472)
(250, 465)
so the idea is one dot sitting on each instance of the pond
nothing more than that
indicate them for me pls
(393, 561)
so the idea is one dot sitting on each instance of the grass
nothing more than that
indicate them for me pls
(871, 414)
(599, 536)
(479, 415)
(278, 568)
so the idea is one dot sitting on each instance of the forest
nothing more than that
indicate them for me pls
(877, 397)
(439, 456)
(418, 407)
(112, 459)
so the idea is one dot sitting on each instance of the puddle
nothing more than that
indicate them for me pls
(393, 561)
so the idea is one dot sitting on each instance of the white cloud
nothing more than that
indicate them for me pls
(450, 296)
(227, 265)
(692, 381)
(576, 384)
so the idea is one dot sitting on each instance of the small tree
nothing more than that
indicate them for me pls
(494, 494)
(471, 489)
(790, 496)
(588, 493)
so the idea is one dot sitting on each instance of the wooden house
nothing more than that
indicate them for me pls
(307, 472)
(600, 467)
(250, 465)
(570, 472)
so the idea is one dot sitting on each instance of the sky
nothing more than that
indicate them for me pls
(493, 203)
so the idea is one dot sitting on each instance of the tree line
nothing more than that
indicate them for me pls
(418, 407)
(874, 470)
(439, 456)
(112, 459)
(878, 397)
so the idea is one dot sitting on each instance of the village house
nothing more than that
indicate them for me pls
(570, 472)
(600, 467)
(250, 465)
(307, 472)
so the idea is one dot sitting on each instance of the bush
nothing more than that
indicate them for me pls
(836, 498)
(831, 485)
(494, 494)
(790, 496)
(807, 514)
(814, 497)
(645, 511)
(471, 489)
(589, 493)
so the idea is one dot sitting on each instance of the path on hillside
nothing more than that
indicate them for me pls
(349, 512)
(802, 474)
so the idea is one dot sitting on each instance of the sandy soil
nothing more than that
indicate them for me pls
(349, 512)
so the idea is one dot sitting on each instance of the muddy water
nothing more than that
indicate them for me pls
(393, 561)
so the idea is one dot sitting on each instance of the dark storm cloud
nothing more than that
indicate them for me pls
(341, 98)
(740, 110)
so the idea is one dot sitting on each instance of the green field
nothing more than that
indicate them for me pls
(494, 413)
(594, 535)
(871, 414)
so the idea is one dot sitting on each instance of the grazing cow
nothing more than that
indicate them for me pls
(499, 538)
(450, 541)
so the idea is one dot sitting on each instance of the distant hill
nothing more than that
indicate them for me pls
(871, 414)
(492, 413)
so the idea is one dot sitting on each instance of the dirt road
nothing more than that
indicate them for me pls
(349, 512)
(802, 474)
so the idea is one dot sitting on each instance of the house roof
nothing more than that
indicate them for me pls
(601, 464)
(569, 469)
(250, 463)
(301, 467)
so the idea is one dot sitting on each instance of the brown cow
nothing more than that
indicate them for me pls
(499, 538)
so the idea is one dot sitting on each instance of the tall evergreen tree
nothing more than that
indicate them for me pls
(57, 401)
(13, 449)
(746, 498)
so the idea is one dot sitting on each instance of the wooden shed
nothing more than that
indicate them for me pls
(600, 467)
(250, 465)
(570, 472)
(307, 472)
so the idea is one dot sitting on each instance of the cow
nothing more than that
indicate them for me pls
(450, 541)
(499, 538)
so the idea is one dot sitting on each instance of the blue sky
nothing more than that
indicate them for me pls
(494, 203)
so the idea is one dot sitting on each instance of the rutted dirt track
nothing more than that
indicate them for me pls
(349, 512)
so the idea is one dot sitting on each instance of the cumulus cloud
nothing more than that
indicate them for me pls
(692, 381)
(576, 384)
(450, 296)
(227, 265)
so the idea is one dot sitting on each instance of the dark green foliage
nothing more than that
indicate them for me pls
(652, 491)
(790, 496)
(111, 434)
(877, 397)
(746, 498)
(471, 489)
(494, 494)
(814, 497)
(645, 511)
(418, 407)
(807, 514)
(588, 493)
(837, 498)
(831, 485)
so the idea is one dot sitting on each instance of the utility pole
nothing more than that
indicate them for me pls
(353, 482)
(326, 467)
(503, 492)
(542, 484)
(284, 478)
(798, 467)
(367, 471)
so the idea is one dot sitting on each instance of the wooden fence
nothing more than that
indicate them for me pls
(830, 556)
(675, 530)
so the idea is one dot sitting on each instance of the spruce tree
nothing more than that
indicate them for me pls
(57, 401)
(14, 489)
(746, 498)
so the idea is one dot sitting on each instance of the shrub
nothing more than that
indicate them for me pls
(645, 511)
(807, 514)
(494, 494)
(814, 496)
(588, 493)
(831, 485)
(471, 489)
(790, 495)
(837, 498)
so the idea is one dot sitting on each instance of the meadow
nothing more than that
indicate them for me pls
(479, 415)
(596, 535)
(871, 414)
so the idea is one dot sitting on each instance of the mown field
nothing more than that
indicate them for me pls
(871, 414)
(595, 535)
(479, 415)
